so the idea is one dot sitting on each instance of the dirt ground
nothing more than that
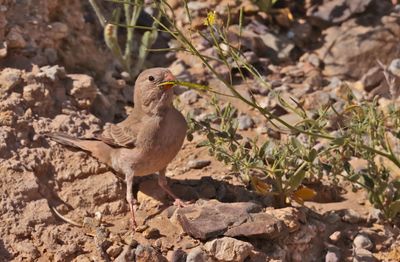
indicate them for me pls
(58, 75)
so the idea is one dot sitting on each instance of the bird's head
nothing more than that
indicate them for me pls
(152, 90)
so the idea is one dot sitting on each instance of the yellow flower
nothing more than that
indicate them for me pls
(210, 20)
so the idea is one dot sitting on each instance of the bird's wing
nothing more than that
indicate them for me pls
(123, 134)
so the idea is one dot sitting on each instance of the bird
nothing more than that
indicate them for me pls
(146, 141)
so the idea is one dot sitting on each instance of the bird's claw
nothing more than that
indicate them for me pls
(179, 203)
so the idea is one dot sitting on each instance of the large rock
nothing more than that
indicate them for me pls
(259, 225)
(337, 11)
(353, 48)
(212, 218)
(228, 249)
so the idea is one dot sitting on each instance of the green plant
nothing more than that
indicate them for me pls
(309, 149)
(132, 10)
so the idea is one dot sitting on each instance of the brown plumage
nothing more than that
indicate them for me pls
(146, 141)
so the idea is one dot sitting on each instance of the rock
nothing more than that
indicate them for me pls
(212, 218)
(336, 236)
(83, 89)
(58, 31)
(372, 78)
(198, 164)
(28, 188)
(316, 100)
(196, 6)
(351, 216)
(67, 252)
(51, 55)
(257, 38)
(178, 256)
(147, 253)
(363, 255)
(15, 38)
(375, 215)
(189, 97)
(196, 255)
(3, 49)
(332, 257)
(114, 250)
(245, 122)
(290, 216)
(394, 67)
(340, 60)
(127, 254)
(228, 249)
(52, 72)
(38, 212)
(260, 225)
(28, 249)
(97, 189)
(151, 233)
(329, 13)
(10, 78)
(362, 241)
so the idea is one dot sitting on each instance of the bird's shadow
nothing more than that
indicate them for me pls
(206, 188)
(191, 190)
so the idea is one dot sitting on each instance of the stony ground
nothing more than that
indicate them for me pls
(57, 75)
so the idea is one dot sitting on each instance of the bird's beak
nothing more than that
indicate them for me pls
(169, 77)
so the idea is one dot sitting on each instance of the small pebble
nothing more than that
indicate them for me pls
(198, 164)
(332, 257)
(196, 255)
(394, 67)
(351, 216)
(245, 122)
(151, 233)
(114, 250)
(363, 255)
(336, 236)
(362, 241)
(189, 97)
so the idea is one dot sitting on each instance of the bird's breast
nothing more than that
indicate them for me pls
(161, 142)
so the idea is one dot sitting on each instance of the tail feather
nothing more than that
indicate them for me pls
(98, 149)
(64, 139)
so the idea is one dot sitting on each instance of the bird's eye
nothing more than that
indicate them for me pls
(151, 78)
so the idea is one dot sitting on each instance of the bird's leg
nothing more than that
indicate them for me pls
(130, 198)
(163, 183)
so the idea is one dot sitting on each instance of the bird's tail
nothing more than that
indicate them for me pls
(64, 139)
(98, 149)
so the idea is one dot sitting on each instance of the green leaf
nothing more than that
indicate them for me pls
(296, 180)
(203, 143)
(312, 155)
(326, 167)
(347, 167)
(368, 181)
(338, 141)
(211, 137)
(296, 143)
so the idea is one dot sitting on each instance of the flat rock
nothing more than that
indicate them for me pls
(337, 11)
(340, 60)
(259, 225)
(212, 218)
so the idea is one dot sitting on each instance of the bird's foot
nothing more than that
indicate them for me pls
(179, 203)
(133, 208)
